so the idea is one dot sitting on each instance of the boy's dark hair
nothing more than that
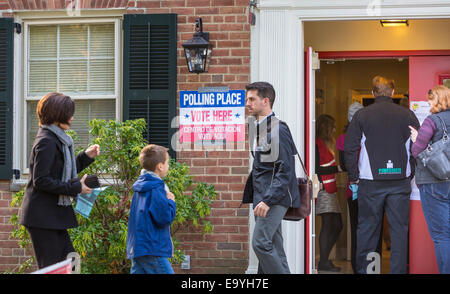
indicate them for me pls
(55, 108)
(264, 90)
(151, 155)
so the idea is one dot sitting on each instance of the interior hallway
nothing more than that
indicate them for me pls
(346, 266)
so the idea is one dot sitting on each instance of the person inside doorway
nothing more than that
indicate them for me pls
(327, 205)
(352, 199)
(383, 172)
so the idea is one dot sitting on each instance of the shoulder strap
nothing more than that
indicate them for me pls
(304, 169)
(444, 127)
(298, 155)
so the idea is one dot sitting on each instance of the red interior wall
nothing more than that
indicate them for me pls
(424, 74)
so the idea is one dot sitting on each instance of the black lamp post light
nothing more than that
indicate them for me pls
(198, 50)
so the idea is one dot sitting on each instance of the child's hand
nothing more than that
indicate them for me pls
(170, 196)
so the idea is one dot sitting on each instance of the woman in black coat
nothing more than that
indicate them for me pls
(47, 210)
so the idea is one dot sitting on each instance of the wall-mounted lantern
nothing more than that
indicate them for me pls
(198, 50)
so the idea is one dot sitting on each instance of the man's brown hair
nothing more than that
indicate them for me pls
(382, 86)
(264, 90)
(55, 108)
(151, 155)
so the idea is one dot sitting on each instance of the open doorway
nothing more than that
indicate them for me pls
(339, 82)
(421, 50)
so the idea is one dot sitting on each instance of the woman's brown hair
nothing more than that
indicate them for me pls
(440, 95)
(55, 108)
(324, 130)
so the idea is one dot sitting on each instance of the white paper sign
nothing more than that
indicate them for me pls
(421, 109)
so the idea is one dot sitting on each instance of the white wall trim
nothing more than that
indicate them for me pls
(268, 65)
(254, 74)
(345, 4)
(17, 99)
(358, 10)
(65, 14)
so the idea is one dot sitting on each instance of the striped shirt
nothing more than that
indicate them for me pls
(424, 136)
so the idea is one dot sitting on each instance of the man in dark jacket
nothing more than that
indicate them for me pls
(383, 173)
(272, 185)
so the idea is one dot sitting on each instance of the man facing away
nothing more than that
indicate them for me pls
(272, 184)
(383, 173)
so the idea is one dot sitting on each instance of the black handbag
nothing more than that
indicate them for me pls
(436, 157)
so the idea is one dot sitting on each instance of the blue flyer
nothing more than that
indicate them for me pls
(86, 201)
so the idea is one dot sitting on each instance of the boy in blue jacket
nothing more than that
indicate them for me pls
(149, 245)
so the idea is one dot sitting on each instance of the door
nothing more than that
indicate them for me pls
(425, 72)
(312, 64)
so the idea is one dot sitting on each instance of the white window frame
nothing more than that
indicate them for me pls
(24, 73)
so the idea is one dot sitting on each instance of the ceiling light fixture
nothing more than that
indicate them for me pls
(394, 23)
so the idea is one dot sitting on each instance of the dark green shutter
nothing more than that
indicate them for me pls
(6, 97)
(150, 74)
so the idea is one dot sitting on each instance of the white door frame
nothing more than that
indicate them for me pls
(277, 47)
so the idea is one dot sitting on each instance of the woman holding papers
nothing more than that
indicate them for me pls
(47, 210)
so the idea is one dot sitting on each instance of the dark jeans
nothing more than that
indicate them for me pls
(50, 246)
(435, 199)
(329, 233)
(353, 212)
(151, 265)
(373, 198)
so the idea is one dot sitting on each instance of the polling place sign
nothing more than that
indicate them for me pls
(215, 116)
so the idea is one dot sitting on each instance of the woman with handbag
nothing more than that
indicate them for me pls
(327, 205)
(47, 210)
(434, 191)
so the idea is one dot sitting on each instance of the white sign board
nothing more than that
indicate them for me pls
(421, 109)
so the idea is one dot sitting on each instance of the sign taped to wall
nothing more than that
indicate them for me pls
(421, 109)
(212, 116)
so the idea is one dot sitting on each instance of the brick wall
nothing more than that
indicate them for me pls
(10, 253)
(225, 251)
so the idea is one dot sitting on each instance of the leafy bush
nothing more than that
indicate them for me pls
(101, 239)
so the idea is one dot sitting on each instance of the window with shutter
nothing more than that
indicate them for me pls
(6, 96)
(149, 74)
(76, 59)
